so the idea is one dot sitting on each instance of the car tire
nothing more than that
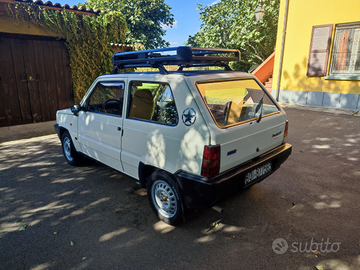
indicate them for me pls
(164, 198)
(69, 151)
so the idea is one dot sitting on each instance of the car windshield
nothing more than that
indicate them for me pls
(236, 101)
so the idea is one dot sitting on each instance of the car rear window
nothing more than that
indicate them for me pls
(236, 101)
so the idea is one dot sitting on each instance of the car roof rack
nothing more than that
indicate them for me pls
(182, 56)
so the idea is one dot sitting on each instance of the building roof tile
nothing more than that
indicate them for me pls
(76, 9)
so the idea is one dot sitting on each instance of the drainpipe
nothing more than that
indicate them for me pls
(282, 50)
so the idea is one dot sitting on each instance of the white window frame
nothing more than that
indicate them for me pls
(351, 70)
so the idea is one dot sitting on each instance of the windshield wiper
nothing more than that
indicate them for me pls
(258, 107)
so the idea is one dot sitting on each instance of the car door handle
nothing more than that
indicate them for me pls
(119, 128)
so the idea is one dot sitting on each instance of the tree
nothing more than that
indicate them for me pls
(232, 24)
(146, 19)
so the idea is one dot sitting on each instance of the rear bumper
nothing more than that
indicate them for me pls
(200, 192)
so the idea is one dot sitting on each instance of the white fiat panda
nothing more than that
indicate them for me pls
(191, 137)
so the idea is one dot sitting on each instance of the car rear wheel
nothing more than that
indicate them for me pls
(164, 198)
(70, 154)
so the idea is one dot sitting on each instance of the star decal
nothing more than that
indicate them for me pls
(189, 116)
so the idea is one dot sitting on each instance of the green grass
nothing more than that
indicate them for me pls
(151, 86)
(225, 95)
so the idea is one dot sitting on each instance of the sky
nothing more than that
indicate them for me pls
(187, 18)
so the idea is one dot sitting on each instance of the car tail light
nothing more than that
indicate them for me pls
(211, 161)
(286, 130)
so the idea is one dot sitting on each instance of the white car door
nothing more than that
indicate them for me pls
(100, 124)
(150, 128)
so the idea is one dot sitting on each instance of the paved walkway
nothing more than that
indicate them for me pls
(57, 216)
(320, 109)
(28, 131)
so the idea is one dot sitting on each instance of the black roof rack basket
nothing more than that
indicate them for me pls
(181, 56)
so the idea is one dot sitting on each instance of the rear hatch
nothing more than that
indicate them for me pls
(243, 119)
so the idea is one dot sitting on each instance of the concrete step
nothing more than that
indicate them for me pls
(268, 84)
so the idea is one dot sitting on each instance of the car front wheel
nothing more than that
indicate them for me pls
(164, 198)
(70, 154)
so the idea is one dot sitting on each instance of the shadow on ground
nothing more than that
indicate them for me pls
(92, 217)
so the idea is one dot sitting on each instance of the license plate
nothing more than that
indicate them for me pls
(258, 172)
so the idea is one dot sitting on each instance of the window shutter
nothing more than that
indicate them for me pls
(319, 50)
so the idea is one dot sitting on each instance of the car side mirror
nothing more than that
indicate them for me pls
(75, 109)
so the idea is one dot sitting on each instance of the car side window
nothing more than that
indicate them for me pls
(154, 102)
(107, 97)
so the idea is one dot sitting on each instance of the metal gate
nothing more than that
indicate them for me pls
(35, 79)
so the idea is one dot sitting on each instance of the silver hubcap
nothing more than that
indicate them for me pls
(67, 148)
(164, 198)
